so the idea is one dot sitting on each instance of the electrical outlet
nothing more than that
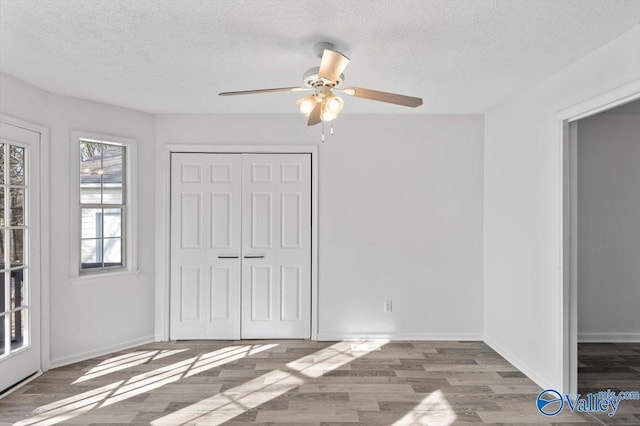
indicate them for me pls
(387, 306)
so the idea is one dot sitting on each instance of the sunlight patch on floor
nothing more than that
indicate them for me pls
(210, 361)
(226, 405)
(65, 409)
(432, 410)
(366, 347)
(122, 363)
(332, 357)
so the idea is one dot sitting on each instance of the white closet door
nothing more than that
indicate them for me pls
(276, 245)
(205, 246)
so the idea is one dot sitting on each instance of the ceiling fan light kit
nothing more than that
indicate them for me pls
(332, 105)
(306, 104)
(324, 105)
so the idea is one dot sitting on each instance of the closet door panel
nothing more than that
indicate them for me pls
(276, 246)
(205, 246)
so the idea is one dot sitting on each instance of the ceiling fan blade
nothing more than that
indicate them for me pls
(277, 89)
(316, 115)
(376, 95)
(332, 65)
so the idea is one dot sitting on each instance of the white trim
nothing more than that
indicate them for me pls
(608, 337)
(23, 123)
(242, 149)
(163, 190)
(519, 364)
(131, 202)
(476, 337)
(616, 97)
(98, 276)
(567, 144)
(315, 243)
(45, 233)
(83, 356)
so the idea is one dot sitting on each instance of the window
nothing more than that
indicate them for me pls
(103, 206)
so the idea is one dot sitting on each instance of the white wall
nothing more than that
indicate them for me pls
(609, 227)
(523, 208)
(93, 316)
(400, 219)
(400, 216)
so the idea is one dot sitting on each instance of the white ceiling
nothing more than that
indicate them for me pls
(174, 56)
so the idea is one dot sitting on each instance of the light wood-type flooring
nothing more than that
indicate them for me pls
(285, 381)
(614, 366)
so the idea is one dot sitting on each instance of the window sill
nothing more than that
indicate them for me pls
(100, 276)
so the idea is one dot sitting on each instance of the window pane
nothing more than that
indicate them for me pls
(16, 165)
(89, 254)
(112, 223)
(112, 162)
(3, 234)
(2, 303)
(112, 195)
(2, 319)
(16, 246)
(16, 204)
(90, 150)
(2, 162)
(16, 294)
(112, 251)
(90, 172)
(2, 215)
(89, 193)
(91, 223)
(17, 328)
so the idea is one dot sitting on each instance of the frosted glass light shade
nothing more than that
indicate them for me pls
(307, 104)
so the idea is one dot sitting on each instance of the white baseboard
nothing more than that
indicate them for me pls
(66, 360)
(608, 337)
(401, 336)
(516, 362)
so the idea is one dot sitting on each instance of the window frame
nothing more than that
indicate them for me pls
(103, 207)
(129, 208)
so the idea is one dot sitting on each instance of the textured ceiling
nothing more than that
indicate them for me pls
(173, 56)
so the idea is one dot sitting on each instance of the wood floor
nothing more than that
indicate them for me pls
(615, 366)
(284, 381)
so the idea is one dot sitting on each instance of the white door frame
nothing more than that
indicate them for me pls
(163, 220)
(45, 229)
(567, 124)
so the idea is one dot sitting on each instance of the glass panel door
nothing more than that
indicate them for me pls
(14, 302)
(19, 254)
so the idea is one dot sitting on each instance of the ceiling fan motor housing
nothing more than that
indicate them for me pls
(312, 79)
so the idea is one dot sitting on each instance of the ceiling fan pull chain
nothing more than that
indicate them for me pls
(331, 133)
(322, 132)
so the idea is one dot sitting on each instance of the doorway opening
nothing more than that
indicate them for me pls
(608, 250)
(592, 196)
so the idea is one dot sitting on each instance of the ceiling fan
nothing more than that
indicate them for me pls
(323, 104)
